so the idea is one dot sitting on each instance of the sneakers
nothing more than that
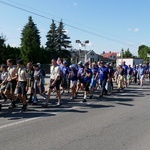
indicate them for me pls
(44, 95)
(58, 104)
(35, 100)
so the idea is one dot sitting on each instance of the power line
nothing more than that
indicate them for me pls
(77, 28)
(115, 36)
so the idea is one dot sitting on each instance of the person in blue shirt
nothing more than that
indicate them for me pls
(129, 75)
(73, 78)
(149, 72)
(103, 75)
(135, 73)
(141, 74)
(80, 77)
(94, 79)
(65, 72)
(110, 76)
(125, 67)
(87, 75)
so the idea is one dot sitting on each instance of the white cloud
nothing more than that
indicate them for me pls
(74, 4)
(136, 29)
(133, 30)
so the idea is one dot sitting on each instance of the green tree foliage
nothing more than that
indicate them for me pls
(143, 50)
(58, 41)
(30, 42)
(8, 52)
(51, 44)
(3, 51)
(63, 42)
(12, 52)
(127, 54)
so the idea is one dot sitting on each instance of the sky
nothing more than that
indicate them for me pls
(109, 25)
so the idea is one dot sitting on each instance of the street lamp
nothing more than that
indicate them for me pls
(122, 56)
(82, 44)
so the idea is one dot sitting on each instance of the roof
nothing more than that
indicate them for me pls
(110, 54)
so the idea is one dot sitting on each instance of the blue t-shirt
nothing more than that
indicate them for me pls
(94, 70)
(125, 67)
(103, 73)
(80, 71)
(65, 71)
(73, 75)
(86, 78)
(141, 71)
(130, 71)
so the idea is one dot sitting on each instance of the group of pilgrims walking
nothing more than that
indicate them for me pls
(22, 83)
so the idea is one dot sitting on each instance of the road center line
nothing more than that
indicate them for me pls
(19, 122)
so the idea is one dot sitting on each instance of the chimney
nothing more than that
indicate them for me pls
(109, 51)
(103, 52)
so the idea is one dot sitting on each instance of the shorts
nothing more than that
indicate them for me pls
(86, 85)
(21, 88)
(38, 89)
(73, 84)
(64, 82)
(81, 80)
(11, 86)
(57, 84)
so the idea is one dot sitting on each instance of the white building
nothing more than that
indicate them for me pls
(129, 61)
(92, 56)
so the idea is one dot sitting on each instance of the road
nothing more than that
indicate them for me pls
(120, 121)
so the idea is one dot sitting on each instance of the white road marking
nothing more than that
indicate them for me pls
(35, 118)
(19, 122)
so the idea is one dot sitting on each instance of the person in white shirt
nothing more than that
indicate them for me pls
(55, 81)
(3, 83)
(22, 83)
(11, 82)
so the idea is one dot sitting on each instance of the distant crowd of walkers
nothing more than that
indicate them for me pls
(16, 82)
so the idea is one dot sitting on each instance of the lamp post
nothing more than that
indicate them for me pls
(122, 56)
(82, 44)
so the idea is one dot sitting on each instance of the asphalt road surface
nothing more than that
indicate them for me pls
(120, 121)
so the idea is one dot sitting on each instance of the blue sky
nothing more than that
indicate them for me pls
(110, 25)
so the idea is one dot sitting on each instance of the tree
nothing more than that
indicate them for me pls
(30, 42)
(63, 40)
(143, 50)
(52, 37)
(3, 51)
(127, 54)
(13, 52)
